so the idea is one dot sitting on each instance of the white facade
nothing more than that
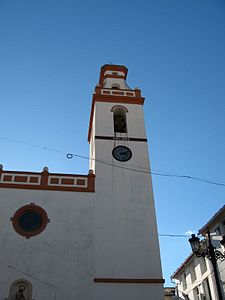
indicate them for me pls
(195, 278)
(60, 258)
(101, 239)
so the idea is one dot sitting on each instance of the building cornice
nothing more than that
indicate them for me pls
(47, 181)
(178, 270)
(215, 218)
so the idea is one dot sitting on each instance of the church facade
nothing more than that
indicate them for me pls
(94, 236)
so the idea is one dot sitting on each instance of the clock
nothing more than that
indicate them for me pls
(122, 153)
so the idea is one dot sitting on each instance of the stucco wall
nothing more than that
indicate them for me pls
(61, 255)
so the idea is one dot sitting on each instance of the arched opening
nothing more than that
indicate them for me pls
(115, 86)
(119, 119)
(20, 289)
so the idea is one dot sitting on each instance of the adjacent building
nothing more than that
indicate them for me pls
(194, 278)
(170, 293)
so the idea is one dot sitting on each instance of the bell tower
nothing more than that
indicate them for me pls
(126, 251)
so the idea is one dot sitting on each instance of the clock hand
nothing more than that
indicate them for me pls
(124, 153)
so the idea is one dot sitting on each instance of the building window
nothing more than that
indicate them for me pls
(207, 290)
(218, 230)
(197, 292)
(119, 119)
(30, 220)
(216, 242)
(203, 266)
(200, 294)
(184, 281)
(193, 273)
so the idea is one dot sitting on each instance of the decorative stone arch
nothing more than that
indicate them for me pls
(115, 86)
(119, 118)
(22, 285)
(119, 107)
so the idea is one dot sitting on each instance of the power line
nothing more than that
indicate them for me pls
(71, 155)
(173, 235)
(152, 173)
(36, 278)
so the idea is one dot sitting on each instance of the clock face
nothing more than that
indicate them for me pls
(122, 153)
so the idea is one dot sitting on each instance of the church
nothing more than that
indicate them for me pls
(86, 237)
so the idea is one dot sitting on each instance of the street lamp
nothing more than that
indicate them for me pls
(204, 249)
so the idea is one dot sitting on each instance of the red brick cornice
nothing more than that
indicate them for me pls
(130, 280)
(47, 181)
(116, 68)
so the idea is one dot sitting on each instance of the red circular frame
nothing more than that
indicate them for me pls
(30, 207)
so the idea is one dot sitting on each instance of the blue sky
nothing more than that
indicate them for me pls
(50, 56)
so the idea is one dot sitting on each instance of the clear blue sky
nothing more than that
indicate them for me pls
(50, 56)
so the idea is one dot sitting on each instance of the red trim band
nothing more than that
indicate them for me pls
(129, 280)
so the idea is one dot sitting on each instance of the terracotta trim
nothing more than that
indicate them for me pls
(67, 181)
(111, 99)
(21, 178)
(110, 89)
(7, 177)
(119, 106)
(129, 280)
(118, 99)
(44, 178)
(106, 92)
(111, 68)
(118, 93)
(44, 183)
(23, 209)
(39, 173)
(129, 93)
(114, 76)
(21, 172)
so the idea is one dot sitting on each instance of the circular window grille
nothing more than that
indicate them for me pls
(30, 220)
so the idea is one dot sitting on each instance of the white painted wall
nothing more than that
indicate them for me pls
(125, 221)
(128, 292)
(62, 255)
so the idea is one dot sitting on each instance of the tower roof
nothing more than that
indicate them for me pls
(113, 71)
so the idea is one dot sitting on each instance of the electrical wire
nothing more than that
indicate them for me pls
(71, 155)
(173, 235)
(36, 278)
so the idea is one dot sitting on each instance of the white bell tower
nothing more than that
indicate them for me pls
(126, 251)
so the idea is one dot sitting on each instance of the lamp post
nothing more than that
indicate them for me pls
(204, 249)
